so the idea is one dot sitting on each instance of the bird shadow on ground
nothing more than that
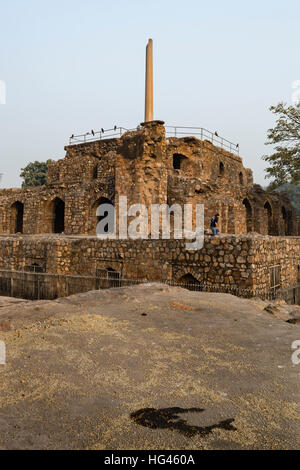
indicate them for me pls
(167, 418)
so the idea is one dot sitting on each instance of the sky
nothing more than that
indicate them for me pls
(70, 66)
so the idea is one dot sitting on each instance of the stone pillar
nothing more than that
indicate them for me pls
(149, 82)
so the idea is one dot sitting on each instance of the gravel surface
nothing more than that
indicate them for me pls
(147, 367)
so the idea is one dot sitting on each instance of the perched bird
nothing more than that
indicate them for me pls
(72, 136)
(237, 146)
(102, 130)
(115, 128)
(93, 132)
(216, 134)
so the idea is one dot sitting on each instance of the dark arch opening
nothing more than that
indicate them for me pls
(17, 211)
(178, 159)
(285, 220)
(99, 202)
(58, 215)
(221, 169)
(107, 278)
(188, 281)
(35, 268)
(241, 178)
(269, 213)
(113, 277)
(249, 215)
(95, 172)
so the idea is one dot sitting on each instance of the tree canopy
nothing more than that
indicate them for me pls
(285, 161)
(35, 174)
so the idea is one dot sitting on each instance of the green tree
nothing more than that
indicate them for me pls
(285, 161)
(35, 174)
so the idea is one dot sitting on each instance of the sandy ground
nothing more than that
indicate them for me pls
(147, 367)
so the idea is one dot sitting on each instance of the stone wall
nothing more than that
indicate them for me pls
(239, 262)
(150, 169)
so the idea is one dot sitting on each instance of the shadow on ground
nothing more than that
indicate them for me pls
(167, 418)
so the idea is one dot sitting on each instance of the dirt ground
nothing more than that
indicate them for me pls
(147, 367)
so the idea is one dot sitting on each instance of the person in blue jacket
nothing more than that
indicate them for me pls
(214, 225)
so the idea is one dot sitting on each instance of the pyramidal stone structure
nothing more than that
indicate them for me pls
(48, 242)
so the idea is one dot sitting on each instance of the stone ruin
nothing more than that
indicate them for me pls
(150, 169)
(48, 243)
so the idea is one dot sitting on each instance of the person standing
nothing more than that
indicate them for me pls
(214, 224)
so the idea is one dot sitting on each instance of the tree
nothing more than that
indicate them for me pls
(285, 162)
(35, 174)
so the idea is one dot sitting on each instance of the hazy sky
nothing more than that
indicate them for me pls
(70, 66)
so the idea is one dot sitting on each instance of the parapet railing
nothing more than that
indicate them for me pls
(171, 131)
(203, 134)
(91, 136)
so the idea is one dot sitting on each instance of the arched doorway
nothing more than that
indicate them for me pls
(107, 278)
(285, 220)
(96, 218)
(289, 223)
(113, 278)
(17, 215)
(58, 208)
(269, 216)
(178, 160)
(188, 281)
(249, 217)
(95, 172)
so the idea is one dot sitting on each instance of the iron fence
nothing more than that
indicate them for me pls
(103, 134)
(35, 286)
(171, 131)
(203, 134)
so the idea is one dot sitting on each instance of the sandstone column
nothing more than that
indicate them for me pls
(149, 82)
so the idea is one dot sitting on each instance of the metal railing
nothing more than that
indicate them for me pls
(171, 131)
(203, 134)
(103, 134)
(33, 285)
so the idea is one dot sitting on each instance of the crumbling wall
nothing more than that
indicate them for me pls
(141, 172)
(149, 169)
(240, 262)
(273, 213)
(81, 162)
